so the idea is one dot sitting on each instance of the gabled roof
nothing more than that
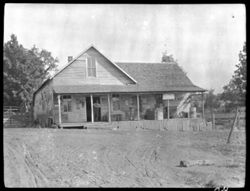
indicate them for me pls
(69, 63)
(92, 46)
(148, 77)
(153, 77)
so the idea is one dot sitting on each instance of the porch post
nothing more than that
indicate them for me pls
(203, 115)
(168, 108)
(92, 109)
(109, 113)
(138, 107)
(59, 109)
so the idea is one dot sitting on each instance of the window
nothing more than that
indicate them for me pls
(67, 106)
(67, 103)
(91, 66)
(116, 102)
(65, 97)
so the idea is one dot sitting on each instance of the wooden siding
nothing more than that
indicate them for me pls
(106, 72)
(77, 113)
(178, 124)
(43, 103)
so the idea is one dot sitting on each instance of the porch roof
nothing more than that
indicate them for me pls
(150, 77)
(123, 89)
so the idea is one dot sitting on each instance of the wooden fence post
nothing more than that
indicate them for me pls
(213, 121)
(231, 131)
(10, 114)
(203, 110)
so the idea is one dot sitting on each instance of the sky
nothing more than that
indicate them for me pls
(204, 39)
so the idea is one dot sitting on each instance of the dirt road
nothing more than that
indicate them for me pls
(106, 158)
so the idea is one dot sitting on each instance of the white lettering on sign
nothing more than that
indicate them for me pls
(168, 96)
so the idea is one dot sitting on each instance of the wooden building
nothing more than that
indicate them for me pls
(91, 88)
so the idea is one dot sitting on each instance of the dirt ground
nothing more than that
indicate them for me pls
(108, 158)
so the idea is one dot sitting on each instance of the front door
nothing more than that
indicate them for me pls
(88, 109)
(96, 108)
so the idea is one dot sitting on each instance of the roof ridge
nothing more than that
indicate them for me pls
(145, 63)
(139, 62)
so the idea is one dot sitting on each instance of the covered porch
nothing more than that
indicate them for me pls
(104, 109)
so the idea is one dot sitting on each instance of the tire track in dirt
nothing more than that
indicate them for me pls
(25, 174)
(115, 166)
(135, 159)
(84, 169)
(150, 157)
(28, 168)
(143, 157)
(38, 175)
(134, 164)
(69, 163)
(109, 174)
(157, 166)
(11, 173)
(35, 158)
(120, 166)
(18, 166)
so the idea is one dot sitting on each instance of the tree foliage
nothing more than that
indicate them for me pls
(24, 71)
(234, 93)
(167, 58)
(211, 100)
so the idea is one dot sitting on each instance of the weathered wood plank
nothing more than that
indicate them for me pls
(106, 72)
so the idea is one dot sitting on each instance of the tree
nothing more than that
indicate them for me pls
(167, 58)
(24, 71)
(234, 93)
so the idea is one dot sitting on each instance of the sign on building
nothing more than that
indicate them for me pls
(168, 96)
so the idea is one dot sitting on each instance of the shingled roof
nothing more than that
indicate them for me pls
(159, 76)
(150, 77)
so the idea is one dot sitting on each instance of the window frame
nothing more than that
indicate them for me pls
(91, 66)
(67, 103)
(116, 103)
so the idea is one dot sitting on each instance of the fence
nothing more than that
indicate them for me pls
(225, 120)
(15, 117)
(180, 124)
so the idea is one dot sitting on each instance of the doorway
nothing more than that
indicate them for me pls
(96, 108)
(88, 109)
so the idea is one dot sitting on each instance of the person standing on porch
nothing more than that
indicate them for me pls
(159, 112)
(97, 107)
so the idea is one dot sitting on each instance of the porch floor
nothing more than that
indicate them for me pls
(87, 124)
